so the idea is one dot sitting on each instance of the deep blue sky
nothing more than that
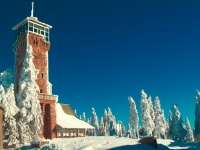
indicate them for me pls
(103, 51)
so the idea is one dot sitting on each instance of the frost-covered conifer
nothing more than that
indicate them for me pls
(170, 130)
(30, 119)
(113, 125)
(123, 130)
(167, 128)
(109, 116)
(106, 124)
(129, 131)
(134, 119)
(142, 132)
(88, 121)
(6, 78)
(101, 128)
(151, 108)
(9, 122)
(2, 92)
(147, 122)
(197, 117)
(83, 117)
(105, 118)
(189, 134)
(177, 129)
(160, 121)
(111, 121)
(94, 122)
(76, 114)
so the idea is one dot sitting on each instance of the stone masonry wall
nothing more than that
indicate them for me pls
(40, 48)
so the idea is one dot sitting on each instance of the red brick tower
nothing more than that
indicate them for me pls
(35, 33)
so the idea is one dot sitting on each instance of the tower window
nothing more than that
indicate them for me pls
(47, 39)
(33, 41)
(35, 30)
(31, 24)
(42, 32)
(42, 75)
(36, 42)
(40, 91)
(31, 28)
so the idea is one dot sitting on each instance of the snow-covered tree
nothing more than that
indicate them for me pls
(30, 116)
(112, 122)
(105, 118)
(160, 121)
(147, 121)
(123, 130)
(189, 134)
(151, 109)
(142, 132)
(6, 78)
(170, 122)
(129, 133)
(113, 125)
(76, 114)
(94, 122)
(88, 121)
(134, 119)
(197, 117)
(2, 93)
(166, 129)
(177, 129)
(101, 128)
(83, 117)
(110, 116)
(9, 122)
(106, 123)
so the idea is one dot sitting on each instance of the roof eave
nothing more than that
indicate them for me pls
(15, 27)
(30, 18)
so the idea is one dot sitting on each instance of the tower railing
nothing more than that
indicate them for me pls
(48, 97)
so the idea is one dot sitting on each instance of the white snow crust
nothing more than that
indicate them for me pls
(113, 143)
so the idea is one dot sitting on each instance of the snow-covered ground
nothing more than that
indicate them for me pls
(113, 143)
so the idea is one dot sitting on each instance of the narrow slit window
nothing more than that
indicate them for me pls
(40, 91)
(42, 75)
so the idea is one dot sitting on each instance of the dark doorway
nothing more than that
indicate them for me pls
(47, 123)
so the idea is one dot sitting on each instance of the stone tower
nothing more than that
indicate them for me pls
(32, 32)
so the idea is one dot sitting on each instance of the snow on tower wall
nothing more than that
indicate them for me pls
(47, 100)
(40, 50)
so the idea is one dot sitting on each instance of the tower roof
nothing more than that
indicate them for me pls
(34, 19)
(31, 18)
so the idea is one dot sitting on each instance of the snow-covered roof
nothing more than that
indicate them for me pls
(68, 121)
(34, 19)
(67, 109)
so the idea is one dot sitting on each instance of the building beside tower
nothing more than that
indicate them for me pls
(32, 32)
